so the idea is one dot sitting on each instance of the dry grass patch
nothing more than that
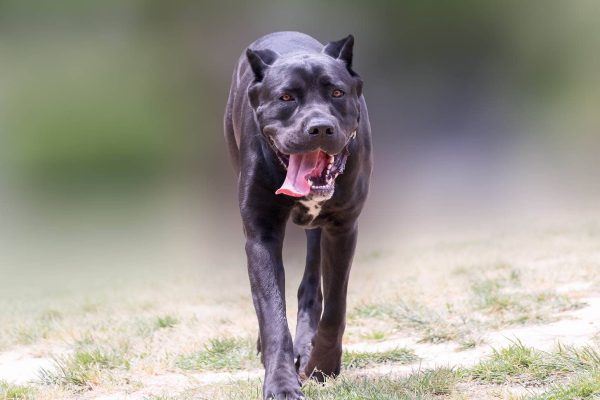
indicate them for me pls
(15, 392)
(582, 387)
(221, 354)
(528, 366)
(355, 359)
(84, 369)
(430, 384)
(431, 326)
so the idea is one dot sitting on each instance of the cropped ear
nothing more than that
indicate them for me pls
(259, 61)
(253, 94)
(342, 50)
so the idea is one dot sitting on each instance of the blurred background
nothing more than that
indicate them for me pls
(112, 159)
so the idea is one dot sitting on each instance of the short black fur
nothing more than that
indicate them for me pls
(261, 131)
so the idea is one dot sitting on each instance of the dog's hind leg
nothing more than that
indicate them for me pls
(310, 301)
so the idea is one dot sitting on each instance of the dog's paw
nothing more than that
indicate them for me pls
(324, 363)
(296, 395)
(284, 394)
(282, 385)
(302, 356)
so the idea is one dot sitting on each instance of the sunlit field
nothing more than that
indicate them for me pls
(488, 313)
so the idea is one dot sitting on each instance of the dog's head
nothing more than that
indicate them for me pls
(307, 106)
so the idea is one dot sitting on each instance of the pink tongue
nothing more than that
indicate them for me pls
(299, 167)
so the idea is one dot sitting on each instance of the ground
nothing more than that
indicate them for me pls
(503, 312)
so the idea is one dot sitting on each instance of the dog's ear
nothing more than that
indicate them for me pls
(259, 61)
(342, 49)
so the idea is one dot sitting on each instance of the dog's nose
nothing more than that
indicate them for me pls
(321, 128)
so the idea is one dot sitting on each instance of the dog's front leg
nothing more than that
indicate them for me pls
(338, 245)
(264, 241)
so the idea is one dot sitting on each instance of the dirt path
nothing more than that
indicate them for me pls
(23, 364)
(574, 328)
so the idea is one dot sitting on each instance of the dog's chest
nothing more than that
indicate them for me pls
(307, 211)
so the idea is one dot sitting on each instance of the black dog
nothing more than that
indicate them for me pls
(298, 132)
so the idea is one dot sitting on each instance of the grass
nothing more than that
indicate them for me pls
(221, 354)
(166, 321)
(15, 392)
(514, 364)
(468, 343)
(438, 382)
(432, 327)
(495, 298)
(525, 365)
(146, 327)
(429, 384)
(489, 297)
(419, 385)
(397, 310)
(581, 388)
(353, 359)
(503, 295)
(83, 369)
(374, 335)
(453, 292)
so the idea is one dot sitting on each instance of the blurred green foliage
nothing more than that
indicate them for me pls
(98, 93)
(103, 118)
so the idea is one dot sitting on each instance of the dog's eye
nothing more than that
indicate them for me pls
(286, 97)
(337, 93)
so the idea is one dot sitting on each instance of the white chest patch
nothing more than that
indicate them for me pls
(314, 207)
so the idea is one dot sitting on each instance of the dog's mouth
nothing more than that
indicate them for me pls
(311, 173)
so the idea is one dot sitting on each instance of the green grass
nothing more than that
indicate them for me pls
(15, 392)
(441, 332)
(567, 374)
(354, 359)
(146, 327)
(438, 382)
(423, 385)
(504, 296)
(579, 359)
(83, 369)
(374, 335)
(419, 385)
(525, 365)
(469, 343)
(581, 388)
(32, 331)
(397, 310)
(432, 327)
(166, 321)
(228, 354)
(489, 296)
(461, 309)
(496, 299)
(515, 364)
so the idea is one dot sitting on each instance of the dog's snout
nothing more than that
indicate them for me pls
(320, 127)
